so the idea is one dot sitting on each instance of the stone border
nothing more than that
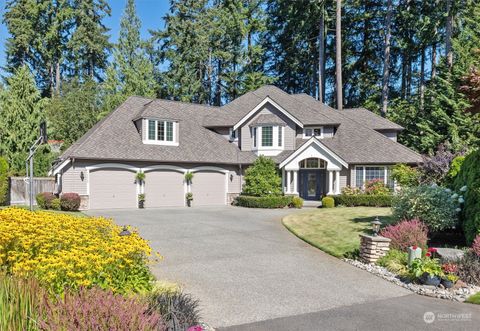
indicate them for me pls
(455, 294)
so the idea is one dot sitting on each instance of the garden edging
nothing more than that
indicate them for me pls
(454, 294)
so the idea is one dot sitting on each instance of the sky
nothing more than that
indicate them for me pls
(151, 13)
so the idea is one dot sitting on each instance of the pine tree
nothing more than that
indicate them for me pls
(131, 72)
(88, 46)
(20, 116)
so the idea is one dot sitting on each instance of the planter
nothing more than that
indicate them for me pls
(447, 283)
(189, 203)
(141, 204)
(426, 279)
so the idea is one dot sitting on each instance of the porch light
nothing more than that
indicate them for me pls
(82, 176)
(376, 226)
(125, 232)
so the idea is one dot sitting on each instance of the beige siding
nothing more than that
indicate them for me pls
(112, 188)
(289, 130)
(208, 188)
(344, 178)
(72, 180)
(235, 180)
(164, 188)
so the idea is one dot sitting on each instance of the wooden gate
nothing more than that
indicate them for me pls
(19, 189)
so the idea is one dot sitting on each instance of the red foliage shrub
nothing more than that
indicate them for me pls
(44, 199)
(96, 310)
(406, 233)
(70, 201)
(476, 245)
(449, 268)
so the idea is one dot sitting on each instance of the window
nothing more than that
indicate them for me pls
(309, 132)
(267, 136)
(280, 136)
(254, 134)
(232, 134)
(313, 163)
(364, 174)
(161, 131)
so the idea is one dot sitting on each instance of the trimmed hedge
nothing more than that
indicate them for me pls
(328, 202)
(70, 202)
(272, 201)
(363, 200)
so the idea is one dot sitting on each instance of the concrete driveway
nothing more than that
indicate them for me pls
(250, 273)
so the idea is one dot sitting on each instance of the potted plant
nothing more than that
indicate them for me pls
(188, 177)
(140, 177)
(141, 201)
(427, 270)
(449, 278)
(189, 197)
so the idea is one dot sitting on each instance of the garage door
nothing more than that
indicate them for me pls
(164, 188)
(112, 188)
(208, 188)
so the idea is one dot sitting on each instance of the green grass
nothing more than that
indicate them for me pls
(35, 208)
(475, 299)
(335, 230)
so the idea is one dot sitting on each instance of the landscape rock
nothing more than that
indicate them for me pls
(450, 254)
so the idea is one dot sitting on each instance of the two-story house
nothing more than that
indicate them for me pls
(318, 149)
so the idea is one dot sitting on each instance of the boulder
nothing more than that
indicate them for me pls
(450, 254)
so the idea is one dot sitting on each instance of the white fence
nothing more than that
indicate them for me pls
(19, 189)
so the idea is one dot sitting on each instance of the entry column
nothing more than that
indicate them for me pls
(330, 182)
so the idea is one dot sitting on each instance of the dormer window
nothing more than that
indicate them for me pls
(161, 132)
(268, 138)
(313, 132)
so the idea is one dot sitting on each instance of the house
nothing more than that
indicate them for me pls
(319, 150)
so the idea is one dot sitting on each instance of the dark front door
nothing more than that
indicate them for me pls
(312, 184)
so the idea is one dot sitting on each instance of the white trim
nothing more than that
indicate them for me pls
(306, 145)
(260, 105)
(155, 141)
(164, 167)
(55, 171)
(313, 135)
(209, 168)
(268, 150)
(385, 173)
(113, 165)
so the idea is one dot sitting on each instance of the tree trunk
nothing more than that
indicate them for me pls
(422, 79)
(338, 55)
(321, 54)
(386, 59)
(434, 61)
(448, 35)
(52, 80)
(57, 78)
(218, 87)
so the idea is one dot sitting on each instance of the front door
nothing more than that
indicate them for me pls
(312, 184)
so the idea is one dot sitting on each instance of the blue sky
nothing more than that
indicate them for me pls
(151, 13)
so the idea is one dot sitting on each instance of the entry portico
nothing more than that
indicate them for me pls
(304, 171)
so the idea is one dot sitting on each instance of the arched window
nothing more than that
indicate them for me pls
(313, 163)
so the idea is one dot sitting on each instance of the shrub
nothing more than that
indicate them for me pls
(296, 202)
(272, 201)
(67, 251)
(405, 234)
(469, 178)
(434, 168)
(435, 206)
(19, 303)
(55, 204)
(363, 200)
(96, 309)
(70, 202)
(328, 202)
(469, 268)
(262, 179)
(395, 261)
(178, 310)
(44, 200)
(405, 175)
(376, 187)
(348, 190)
(476, 245)
(455, 167)
(3, 181)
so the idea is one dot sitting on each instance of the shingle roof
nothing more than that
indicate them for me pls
(266, 119)
(116, 136)
(370, 119)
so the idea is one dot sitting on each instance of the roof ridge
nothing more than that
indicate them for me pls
(375, 114)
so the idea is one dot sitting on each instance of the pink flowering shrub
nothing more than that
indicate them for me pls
(405, 234)
(96, 310)
(476, 245)
(376, 187)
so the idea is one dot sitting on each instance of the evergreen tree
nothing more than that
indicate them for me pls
(20, 116)
(131, 72)
(89, 46)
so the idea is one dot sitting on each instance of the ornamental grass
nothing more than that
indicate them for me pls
(69, 252)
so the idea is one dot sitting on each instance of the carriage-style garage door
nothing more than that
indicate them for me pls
(164, 188)
(208, 188)
(112, 188)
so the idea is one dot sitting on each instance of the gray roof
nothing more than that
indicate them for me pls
(116, 137)
(267, 119)
(370, 119)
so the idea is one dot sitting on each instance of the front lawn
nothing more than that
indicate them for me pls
(335, 230)
(475, 299)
